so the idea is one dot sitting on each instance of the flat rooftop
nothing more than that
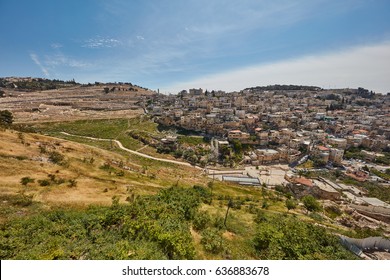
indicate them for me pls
(324, 187)
(375, 202)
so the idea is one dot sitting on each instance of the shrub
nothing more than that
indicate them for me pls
(22, 200)
(287, 238)
(333, 211)
(52, 177)
(6, 118)
(201, 220)
(218, 223)
(26, 180)
(56, 157)
(291, 204)
(21, 157)
(212, 241)
(44, 183)
(260, 217)
(72, 183)
(311, 204)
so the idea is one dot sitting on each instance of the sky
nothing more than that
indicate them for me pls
(172, 45)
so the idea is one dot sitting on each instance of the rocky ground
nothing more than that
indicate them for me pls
(74, 103)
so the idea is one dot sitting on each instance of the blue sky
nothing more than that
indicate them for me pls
(213, 44)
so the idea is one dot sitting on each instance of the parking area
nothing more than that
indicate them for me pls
(271, 175)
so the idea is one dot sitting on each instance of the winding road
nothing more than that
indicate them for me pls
(133, 152)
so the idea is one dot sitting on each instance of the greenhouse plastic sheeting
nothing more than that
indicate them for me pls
(370, 243)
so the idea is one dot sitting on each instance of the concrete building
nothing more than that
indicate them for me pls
(194, 91)
(265, 156)
(336, 155)
(339, 143)
(238, 135)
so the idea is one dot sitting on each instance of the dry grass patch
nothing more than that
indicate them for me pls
(78, 179)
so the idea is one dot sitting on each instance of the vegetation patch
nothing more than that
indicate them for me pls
(288, 238)
(159, 227)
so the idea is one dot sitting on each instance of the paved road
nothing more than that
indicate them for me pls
(134, 152)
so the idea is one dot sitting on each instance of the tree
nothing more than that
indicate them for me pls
(337, 173)
(301, 172)
(230, 204)
(211, 186)
(6, 118)
(237, 146)
(311, 204)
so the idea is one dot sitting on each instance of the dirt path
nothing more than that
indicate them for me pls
(134, 152)
(140, 149)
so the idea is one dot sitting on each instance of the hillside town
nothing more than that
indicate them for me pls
(289, 137)
(284, 125)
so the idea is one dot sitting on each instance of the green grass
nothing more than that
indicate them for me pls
(109, 129)
(191, 140)
(105, 129)
(308, 165)
(143, 123)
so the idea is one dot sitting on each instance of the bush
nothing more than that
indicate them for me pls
(333, 211)
(201, 220)
(56, 157)
(265, 205)
(291, 204)
(26, 180)
(152, 227)
(260, 217)
(287, 238)
(218, 223)
(212, 241)
(72, 183)
(311, 204)
(44, 183)
(22, 200)
(317, 217)
(237, 204)
(6, 118)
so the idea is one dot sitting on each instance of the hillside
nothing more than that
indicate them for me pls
(55, 182)
(72, 101)
(53, 164)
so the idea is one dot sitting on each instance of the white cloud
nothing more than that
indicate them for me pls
(35, 58)
(101, 42)
(63, 60)
(56, 45)
(365, 66)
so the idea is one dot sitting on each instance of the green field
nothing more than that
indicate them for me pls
(105, 129)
